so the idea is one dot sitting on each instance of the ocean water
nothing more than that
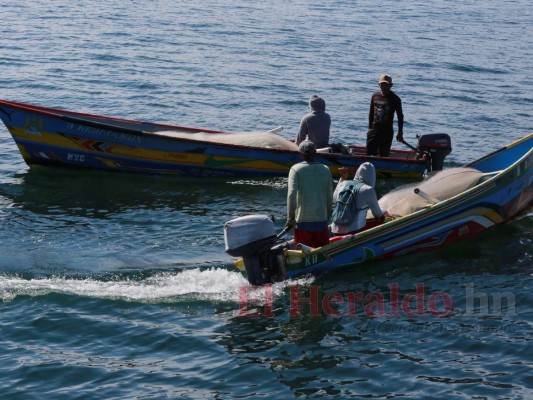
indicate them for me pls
(116, 286)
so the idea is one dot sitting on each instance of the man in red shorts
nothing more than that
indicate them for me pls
(309, 199)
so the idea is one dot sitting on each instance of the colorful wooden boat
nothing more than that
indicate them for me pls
(50, 136)
(502, 191)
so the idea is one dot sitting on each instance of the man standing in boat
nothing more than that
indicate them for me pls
(309, 199)
(315, 125)
(383, 105)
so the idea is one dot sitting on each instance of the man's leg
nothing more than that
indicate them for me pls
(372, 142)
(385, 143)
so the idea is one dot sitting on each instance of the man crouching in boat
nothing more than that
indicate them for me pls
(364, 198)
(309, 199)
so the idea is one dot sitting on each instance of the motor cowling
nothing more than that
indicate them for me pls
(436, 146)
(253, 238)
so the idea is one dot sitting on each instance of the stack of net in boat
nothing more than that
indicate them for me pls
(253, 139)
(441, 186)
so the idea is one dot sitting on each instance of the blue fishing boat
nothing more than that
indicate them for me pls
(498, 187)
(51, 136)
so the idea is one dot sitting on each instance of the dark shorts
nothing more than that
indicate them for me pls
(379, 142)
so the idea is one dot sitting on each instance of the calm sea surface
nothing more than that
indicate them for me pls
(116, 286)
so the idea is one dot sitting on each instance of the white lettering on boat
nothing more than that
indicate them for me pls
(76, 157)
(310, 260)
(104, 133)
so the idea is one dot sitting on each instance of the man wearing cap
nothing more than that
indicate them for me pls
(383, 105)
(309, 199)
(315, 125)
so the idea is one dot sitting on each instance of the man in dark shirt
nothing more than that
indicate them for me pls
(380, 119)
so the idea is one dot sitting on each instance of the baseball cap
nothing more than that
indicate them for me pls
(385, 79)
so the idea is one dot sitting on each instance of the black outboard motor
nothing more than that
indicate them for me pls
(253, 237)
(435, 146)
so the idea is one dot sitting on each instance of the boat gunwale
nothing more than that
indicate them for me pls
(60, 113)
(504, 148)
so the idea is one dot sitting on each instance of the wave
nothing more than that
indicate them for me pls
(214, 285)
(474, 68)
(220, 284)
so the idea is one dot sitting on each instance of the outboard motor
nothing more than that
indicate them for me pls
(253, 237)
(436, 146)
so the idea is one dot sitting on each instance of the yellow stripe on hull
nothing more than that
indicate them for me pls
(194, 159)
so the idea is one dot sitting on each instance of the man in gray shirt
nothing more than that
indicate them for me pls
(309, 199)
(315, 126)
(366, 198)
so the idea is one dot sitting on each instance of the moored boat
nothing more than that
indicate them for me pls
(497, 188)
(51, 136)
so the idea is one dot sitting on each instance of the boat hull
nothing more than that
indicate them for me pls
(504, 192)
(506, 195)
(49, 136)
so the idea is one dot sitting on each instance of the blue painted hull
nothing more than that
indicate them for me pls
(505, 192)
(50, 136)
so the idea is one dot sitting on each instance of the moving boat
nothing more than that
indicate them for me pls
(51, 136)
(451, 206)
